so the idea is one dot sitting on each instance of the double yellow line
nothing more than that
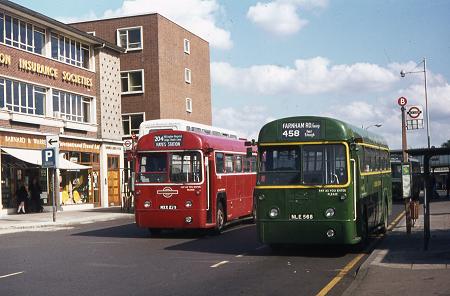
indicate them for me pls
(352, 263)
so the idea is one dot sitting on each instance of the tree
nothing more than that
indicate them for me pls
(446, 144)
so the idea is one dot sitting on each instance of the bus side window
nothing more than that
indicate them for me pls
(247, 164)
(229, 163)
(238, 163)
(253, 163)
(220, 163)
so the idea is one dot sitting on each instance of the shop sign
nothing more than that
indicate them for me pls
(21, 141)
(79, 146)
(5, 59)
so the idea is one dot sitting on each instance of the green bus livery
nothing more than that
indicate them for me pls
(321, 181)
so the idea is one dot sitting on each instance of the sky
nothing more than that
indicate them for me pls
(337, 58)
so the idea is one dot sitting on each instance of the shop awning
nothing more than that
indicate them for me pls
(35, 157)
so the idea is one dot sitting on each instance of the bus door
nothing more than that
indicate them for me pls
(209, 181)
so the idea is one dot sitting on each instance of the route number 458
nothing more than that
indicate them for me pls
(291, 133)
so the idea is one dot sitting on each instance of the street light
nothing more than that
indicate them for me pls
(424, 71)
(374, 125)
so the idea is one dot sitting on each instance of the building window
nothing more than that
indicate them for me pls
(70, 51)
(189, 105)
(131, 123)
(71, 107)
(22, 97)
(132, 81)
(130, 38)
(91, 33)
(20, 34)
(187, 75)
(187, 46)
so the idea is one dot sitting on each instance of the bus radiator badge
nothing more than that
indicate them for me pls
(167, 192)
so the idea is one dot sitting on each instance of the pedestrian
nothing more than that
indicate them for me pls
(35, 193)
(22, 197)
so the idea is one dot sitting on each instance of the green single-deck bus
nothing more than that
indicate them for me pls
(321, 181)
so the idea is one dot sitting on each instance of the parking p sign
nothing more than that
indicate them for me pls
(50, 158)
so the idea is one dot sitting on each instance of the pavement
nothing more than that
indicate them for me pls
(399, 265)
(44, 221)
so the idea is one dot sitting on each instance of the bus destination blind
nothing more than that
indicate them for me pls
(300, 130)
(168, 141)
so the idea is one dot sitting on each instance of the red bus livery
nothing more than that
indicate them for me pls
(192, 180)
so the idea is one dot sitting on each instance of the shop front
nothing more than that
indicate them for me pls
(79, 171)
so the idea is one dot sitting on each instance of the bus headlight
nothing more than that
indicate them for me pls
(329, 213)
(188, 204)
(330, 233)
(147, 204)
(188, 219)
(273, 213)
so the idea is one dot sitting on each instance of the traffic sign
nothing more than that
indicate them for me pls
(127, 144)
(402, 101)
(52, 141)
(50, 158)
(415, 112)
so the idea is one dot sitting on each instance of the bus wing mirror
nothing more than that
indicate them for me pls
(354, 147)
(250, 143)
(249, 151)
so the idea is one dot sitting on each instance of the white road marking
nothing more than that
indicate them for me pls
(11, 274)
(220, 263)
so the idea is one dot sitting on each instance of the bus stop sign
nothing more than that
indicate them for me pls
(402, 101)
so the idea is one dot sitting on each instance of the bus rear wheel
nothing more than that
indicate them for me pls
(220, 218)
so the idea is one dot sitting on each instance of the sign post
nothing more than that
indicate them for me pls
(50, 160)
(402, 101)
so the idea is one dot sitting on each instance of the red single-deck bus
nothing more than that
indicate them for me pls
(192, 180)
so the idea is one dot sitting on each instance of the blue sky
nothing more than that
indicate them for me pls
(272, 59)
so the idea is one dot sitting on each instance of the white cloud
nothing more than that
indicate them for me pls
(197, 16)
(312, 76)
(246, 121)
(281, 17)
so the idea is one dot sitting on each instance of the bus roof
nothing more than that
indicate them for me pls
(315, 128)
(183, 125)
(160, 140)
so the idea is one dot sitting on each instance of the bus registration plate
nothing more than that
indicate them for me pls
(167, 207)
(301, 217)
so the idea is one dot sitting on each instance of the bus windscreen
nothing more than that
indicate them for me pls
(303, 165)
(170, 167)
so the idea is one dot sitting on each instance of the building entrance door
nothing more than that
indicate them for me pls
(113, 181)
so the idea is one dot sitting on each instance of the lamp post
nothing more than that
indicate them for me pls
(424, 71)
(374, 125)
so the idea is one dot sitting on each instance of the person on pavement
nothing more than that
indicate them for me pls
(35, 192)
(22, 197)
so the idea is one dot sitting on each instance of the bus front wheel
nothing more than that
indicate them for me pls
(220, 218)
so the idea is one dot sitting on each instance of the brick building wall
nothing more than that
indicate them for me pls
(163, 60)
